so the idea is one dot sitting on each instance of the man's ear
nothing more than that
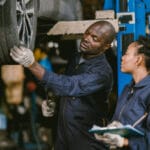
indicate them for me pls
(107, 46)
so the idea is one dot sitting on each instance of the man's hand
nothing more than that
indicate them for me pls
(48, 108)
(22, 55)
(113, 140)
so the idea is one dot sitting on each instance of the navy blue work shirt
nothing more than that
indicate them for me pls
(84, 91)
(132, 104)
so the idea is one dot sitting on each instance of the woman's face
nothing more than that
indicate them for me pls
(130, 58)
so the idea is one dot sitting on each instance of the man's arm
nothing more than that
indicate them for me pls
(37, 70)
(63, 85)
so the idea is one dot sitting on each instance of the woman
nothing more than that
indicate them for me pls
(134, 100)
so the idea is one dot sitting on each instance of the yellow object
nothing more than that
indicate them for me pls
(39, 54)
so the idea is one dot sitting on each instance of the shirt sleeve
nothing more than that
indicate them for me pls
(140, 142)
(76, 85)
(144, 141)
(148, 118)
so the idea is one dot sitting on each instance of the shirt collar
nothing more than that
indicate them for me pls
(145, 81)
(81, 60)
(90, 60)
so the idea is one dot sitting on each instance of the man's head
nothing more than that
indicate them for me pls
(97, 38)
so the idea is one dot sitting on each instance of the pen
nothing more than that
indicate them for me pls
(140, 119)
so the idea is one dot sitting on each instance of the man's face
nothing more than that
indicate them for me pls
(93, 41)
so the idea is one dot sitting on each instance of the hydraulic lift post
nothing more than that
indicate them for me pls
(133, 18)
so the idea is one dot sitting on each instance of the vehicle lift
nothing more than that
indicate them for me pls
(134, 20)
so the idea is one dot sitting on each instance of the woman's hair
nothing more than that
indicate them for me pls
(145, 49)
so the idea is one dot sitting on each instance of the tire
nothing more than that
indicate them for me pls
(18, 23)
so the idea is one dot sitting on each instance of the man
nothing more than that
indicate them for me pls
(84, 89)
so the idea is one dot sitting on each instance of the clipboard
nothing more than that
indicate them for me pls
(125, 131)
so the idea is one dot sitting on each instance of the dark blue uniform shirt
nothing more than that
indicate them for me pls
(132, 104)
(84, 91)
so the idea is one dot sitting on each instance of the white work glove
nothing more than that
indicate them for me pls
(22, 55)
(48, 108)
(115, 123)
(113, 140)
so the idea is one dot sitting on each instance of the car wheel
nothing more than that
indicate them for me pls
(18, 21)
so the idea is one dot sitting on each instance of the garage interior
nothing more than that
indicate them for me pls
(22, 125)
